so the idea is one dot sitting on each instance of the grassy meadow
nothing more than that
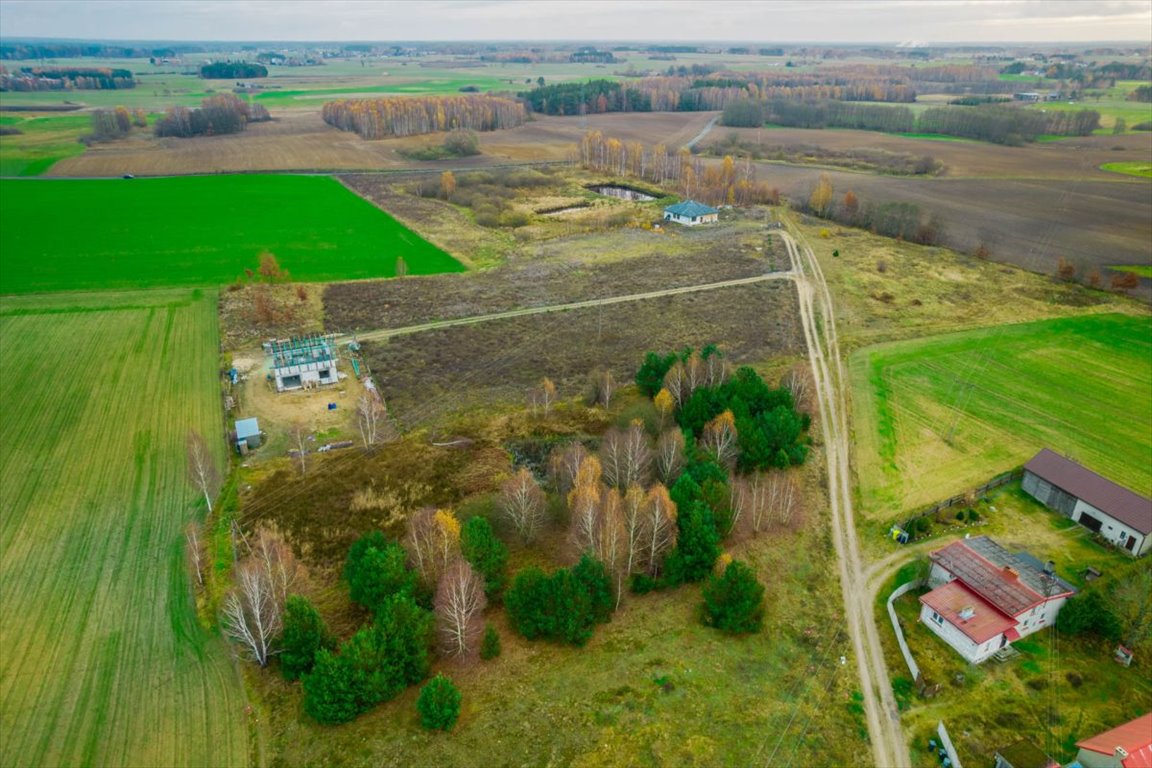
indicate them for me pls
(43, 140)
(936, 416)
(104, 660)
(201, 230)
(1141, 169)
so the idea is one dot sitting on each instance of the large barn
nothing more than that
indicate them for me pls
(1122, 517)
(303, 362)
(985, 597)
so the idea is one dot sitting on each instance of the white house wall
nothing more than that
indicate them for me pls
(1113, 530)
(1036, 619)
(949, 633)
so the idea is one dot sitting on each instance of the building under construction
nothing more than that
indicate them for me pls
(303, 362)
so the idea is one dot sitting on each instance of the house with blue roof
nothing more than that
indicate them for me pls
(690, 213)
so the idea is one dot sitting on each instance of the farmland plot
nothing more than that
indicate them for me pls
(199, 230)
(937, 416)
(104, 662)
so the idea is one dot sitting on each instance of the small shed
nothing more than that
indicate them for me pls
(690, 213)
(247, 434)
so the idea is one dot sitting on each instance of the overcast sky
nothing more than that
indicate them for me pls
(768, 21)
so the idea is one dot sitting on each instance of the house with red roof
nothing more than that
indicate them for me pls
(984, 597)
(1117, 514)
(1125, 746)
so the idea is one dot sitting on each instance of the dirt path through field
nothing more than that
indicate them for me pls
(889, 749)
(700, 136)
(384, 333)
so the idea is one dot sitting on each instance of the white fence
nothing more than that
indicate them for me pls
(946, 742)
(898, 592)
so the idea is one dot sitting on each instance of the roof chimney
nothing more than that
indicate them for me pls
(1050, 568)
(1011, 572)
(967, 612)
(1121, 753)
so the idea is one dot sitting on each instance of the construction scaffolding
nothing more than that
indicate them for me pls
(303, 362)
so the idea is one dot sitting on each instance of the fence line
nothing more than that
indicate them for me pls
(946, 742)
(1001, 479)
(904, 649)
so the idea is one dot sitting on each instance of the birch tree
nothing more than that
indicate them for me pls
(203, 471)
(372, 418)
(433, 542)
(719, 438)
(298, 439)
(669, 455)
(459, 605)
(661, 530)
(564, 465)
(253, 610)
(522, 502)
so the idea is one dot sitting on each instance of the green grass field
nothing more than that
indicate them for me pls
(936, 416)
(202, 230)
(1131, 169)
(43, 140)
(1144, 270)
(104, 661)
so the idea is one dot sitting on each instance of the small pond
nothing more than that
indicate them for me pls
(620, 193)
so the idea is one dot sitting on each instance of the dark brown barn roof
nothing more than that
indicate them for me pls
(1118, 502)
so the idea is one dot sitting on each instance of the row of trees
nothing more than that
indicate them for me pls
(900, 220)
(728, 183)
(820, 114)
(409, 116)
(66, 79)
(986, 122)
(232, 70)
(595, 97)
(1006, 125)
(219, 114)
(116, 123)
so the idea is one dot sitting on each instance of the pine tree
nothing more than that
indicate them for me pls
(305, 635)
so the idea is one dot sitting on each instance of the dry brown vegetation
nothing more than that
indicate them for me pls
(561, 271)
(427, 375)
(301, 140)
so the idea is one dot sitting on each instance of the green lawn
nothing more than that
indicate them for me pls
(196, 230)
(936, 416)
(104, 661)
(1131, 169)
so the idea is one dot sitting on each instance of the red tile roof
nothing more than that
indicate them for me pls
(986, 622)
(1118, 502)
(1134, 736)
(998, 585)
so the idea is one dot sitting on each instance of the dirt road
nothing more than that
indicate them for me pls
(889, 749)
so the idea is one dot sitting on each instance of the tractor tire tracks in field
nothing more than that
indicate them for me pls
(889, 749)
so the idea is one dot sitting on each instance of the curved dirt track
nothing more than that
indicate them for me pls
(889, 749)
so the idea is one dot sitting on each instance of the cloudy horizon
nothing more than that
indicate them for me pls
(903, 22)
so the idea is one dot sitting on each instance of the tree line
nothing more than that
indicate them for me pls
(232, 70)
(594, 97)
(67, 78)
(985, 122)
(730, 182)
(410, 116)
(899, 220)
(219, 114)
